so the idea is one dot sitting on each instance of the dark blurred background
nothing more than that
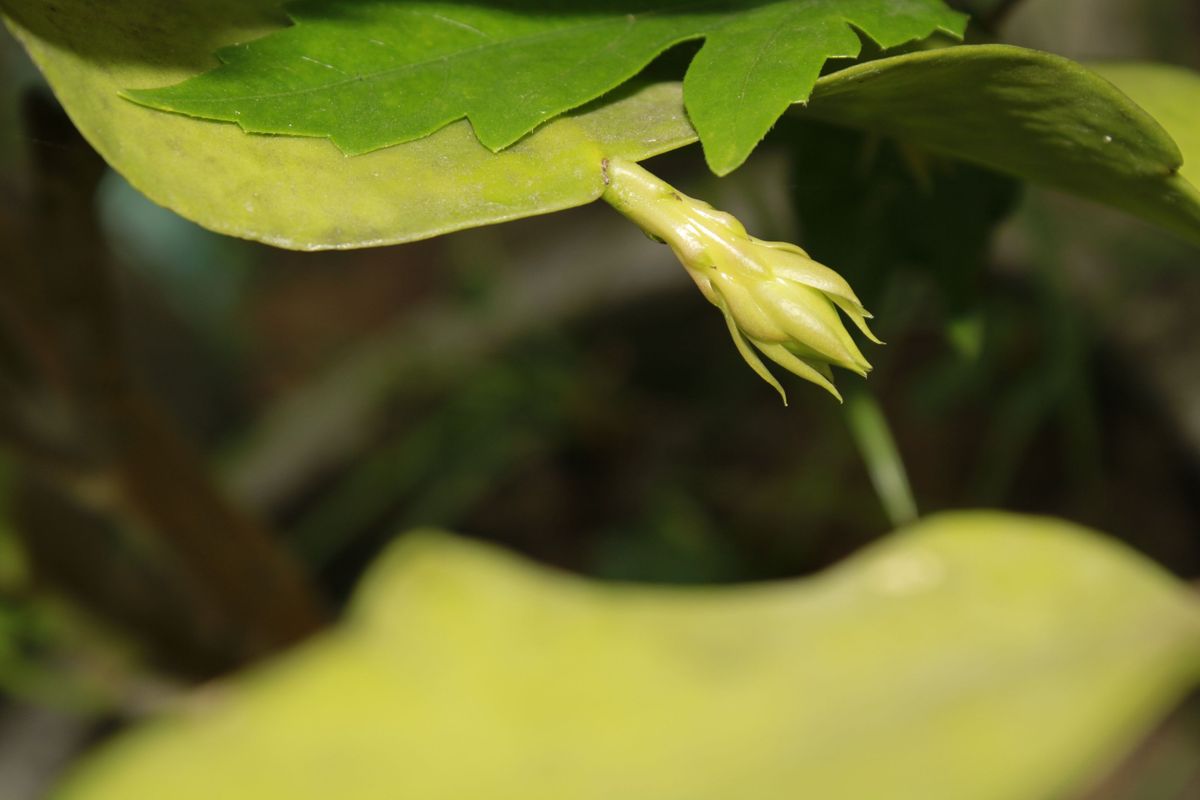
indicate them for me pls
(557, 385)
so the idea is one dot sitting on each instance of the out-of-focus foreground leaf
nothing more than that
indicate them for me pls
(975, 655)
(1039, 117)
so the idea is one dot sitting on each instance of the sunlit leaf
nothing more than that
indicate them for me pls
(369, 74)
(1172, 96)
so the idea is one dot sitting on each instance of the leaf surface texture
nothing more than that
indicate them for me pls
(369, 74)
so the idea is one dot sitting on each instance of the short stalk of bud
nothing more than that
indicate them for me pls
(774, 297)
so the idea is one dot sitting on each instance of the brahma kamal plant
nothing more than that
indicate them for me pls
(284, 612)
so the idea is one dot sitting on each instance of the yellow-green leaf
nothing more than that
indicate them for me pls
(304, 193)
(979, 656)
(1039, 117)
(1172, 96)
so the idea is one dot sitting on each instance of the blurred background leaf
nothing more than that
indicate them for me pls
(1033, 115)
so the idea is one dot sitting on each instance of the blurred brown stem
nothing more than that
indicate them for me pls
(79, 415)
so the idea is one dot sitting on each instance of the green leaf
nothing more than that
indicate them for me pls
(304, 193)
(370, 74)
(1172, 96)
(1038, 117)
(979, 656)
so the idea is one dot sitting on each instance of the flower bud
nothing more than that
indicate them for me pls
(773, 296)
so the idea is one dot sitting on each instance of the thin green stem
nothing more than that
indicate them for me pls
(873, 437)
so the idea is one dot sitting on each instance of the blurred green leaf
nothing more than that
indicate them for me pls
(43, 656)
(975, 655)
(13, 569)
(874, 206)
(673, 540)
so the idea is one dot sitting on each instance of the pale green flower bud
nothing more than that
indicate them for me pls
(772, 294)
